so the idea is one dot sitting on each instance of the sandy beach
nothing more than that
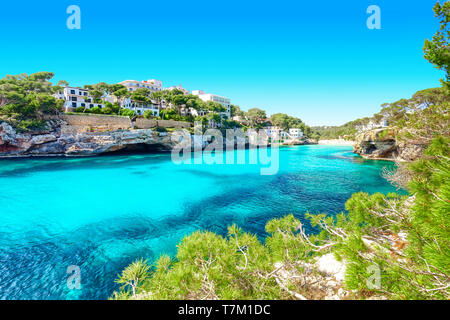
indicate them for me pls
(337, 142)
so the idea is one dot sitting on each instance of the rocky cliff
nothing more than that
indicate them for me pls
(60, 139)
(383, 143)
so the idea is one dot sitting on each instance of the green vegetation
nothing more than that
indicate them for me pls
(109, 109)
(134, 274)
(425, 110)
(238, 266)
(417, 267)
(405, 238)
(25, 100)
(210, 266)
(437, 50)
(237, 112)
(346, 131)
(256, 117)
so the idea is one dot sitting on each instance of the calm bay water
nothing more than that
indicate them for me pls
(102, 213)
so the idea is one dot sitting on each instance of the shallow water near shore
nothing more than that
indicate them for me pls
(102, 213)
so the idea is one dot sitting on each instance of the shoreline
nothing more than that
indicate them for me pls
(336, 142)
(131, 153)
(381, 159)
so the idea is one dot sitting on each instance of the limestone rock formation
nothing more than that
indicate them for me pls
(382, 143)
(59, 139)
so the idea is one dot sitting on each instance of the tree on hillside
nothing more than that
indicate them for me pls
(216, 107)
(430, 97)
(294, 122)
(195, 103)
(104, 87)
(437, 50)
(236, 111)
(170, 114)
(95, 92)
(141, 97)
(215, 117)
(115, 87)
(62, 83)
(26, 99)
(395, 112)
(256, 116)
(175, 98)
(280, 120)
(121, 94)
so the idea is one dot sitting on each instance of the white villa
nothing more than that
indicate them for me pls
(153, 85)
(295, 133)
(372, 125)
(75, 98)
(274, 131)
(178, 87)
(132, 85)
(140, 108)
(215, 98)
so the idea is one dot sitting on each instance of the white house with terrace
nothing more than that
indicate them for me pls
(132, 85)
(153, 106)
(76, 98)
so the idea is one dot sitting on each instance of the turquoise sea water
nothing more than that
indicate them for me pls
(102, 213)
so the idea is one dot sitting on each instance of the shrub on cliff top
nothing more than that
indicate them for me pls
(209, 266)
(406, 238)
(26, 99)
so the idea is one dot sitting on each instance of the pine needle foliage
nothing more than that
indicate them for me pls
(405, 238)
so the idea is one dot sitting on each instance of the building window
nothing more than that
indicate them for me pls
(74, 105)
(72, 91)
(91, 105)
(83, 104)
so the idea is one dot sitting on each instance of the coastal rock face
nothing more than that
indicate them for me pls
(59, 139)
(376, 144)
(382, 143)
(409, 151)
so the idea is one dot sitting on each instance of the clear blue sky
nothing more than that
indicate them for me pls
(312, 59)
